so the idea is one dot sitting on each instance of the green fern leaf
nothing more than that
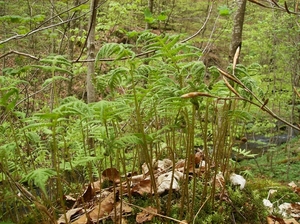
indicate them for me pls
(116, 76)
(39, 177)
(109, 50)
(56, 59)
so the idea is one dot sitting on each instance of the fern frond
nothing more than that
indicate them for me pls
(116, 76)
(76, 107)
(129, 139)
(53, 79)
(39, 177)
(239, 114)
(56, 59)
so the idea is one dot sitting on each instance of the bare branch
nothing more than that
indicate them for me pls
(40, 28)
(152, 51)
(275, 5)
(20, 53)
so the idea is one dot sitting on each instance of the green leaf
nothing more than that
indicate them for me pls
(53, 79)
(49, 68)
(147, 13)
(224, 10)
(7, 149)
(162, 17)
(39, 177)
(9, 98)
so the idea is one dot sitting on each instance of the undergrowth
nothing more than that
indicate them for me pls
(144, 115)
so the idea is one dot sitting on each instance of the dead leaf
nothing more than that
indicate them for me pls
(96, 186)
(290, 209)
(180, 164)
(137, 178)
(112, 174)
(146, 215)
(220, 181)
(295, 187)
(87, 195)
(143, 187)
(126, 209)
(271, 219)
(164, 181)
(291, 221)
(69, 214)
(69, 201)
(82, 220)
(104, 208)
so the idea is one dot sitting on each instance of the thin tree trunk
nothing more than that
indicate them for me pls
(150, 6)
(90, 88)
(237, 28)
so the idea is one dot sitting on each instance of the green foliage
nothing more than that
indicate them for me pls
(224, 10)
(141, 115)
(39, 177)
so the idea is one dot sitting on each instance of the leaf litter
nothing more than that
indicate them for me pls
(96, 204)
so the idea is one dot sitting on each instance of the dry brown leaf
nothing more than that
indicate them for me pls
(291, 221)
(112, 174)
(69, 201)
(290, 209)
(96, 186)
(82, 220)
(143, 187)
(199, 157)
(180, 164)
(137, 178)
(87, 195)
(146, 215)
(220, 181)
(164, 181)
(69, 214)
(104, 208)
(271, 219)
(126, 209)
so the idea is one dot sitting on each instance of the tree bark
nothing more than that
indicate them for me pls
(90, 88)
(237, 28)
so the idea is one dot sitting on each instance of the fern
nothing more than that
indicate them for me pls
(113, 49)
(39, 177)
(116, 77)
(128, 139)
(76, 107)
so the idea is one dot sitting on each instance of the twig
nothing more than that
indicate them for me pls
(38, 30)
(154, 213)
(200, 209)
(204, 24)
(152, 51)
(275, 6)
(20, 53)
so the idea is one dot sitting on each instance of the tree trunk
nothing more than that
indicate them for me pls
(90, 88)
(237, 28)
(150, 6)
